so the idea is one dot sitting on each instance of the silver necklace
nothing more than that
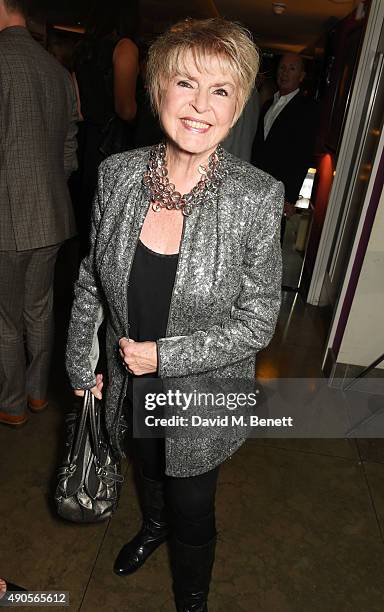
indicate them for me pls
(163, 192)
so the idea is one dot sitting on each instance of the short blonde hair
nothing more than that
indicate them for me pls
(230, 42)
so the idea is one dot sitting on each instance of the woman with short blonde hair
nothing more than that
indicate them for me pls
(185, 264)
(229, 42)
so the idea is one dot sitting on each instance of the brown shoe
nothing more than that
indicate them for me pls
(37, 405)
(14, 420)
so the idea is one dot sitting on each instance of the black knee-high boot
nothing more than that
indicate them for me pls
(154, 530)
(192, 570)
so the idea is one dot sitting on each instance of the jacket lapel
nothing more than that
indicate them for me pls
(186, 243)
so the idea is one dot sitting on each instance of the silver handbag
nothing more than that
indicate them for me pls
(89, 480)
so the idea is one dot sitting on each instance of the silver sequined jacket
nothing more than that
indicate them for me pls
(225, 299)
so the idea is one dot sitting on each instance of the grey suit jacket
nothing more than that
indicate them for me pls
(225, 299)
(37, 144)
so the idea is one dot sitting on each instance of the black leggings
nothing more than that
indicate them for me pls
(190, 501)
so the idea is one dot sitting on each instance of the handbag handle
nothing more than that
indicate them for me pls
(101, 468)
(93, 420)
(82, 427)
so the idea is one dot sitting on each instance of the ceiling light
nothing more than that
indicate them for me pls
(279, 7)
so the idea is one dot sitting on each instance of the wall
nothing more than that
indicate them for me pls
(363, 339)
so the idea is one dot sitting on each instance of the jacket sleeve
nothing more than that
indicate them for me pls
(87, 311)
(253, 317)
(70, 144)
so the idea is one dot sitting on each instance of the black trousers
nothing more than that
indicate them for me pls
(190, 501)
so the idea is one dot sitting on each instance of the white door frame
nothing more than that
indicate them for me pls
(355, 246)
(341, 191)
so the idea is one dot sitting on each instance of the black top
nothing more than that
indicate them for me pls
(150, 289)
(149, 293)
(147, 130)
(93, 66)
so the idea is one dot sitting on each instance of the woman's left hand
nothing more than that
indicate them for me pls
(139, 357)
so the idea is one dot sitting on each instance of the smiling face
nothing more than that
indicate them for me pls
(198, 107)
(290, 73)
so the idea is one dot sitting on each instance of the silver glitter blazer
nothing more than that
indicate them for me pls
(225, 299)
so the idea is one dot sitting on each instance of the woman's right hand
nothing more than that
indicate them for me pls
(96, 390)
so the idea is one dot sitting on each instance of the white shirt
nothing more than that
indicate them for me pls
(279, 102)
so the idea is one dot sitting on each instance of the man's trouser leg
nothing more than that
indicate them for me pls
(38, 319)
(26, 296)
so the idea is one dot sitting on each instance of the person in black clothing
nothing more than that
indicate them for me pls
(106, 68)
(147, 130)
(284, 141)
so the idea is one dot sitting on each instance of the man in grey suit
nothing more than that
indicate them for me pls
(37, 154)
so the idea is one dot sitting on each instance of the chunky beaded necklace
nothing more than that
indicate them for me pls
(163, 192)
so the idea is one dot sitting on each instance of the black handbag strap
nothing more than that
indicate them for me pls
(82, 429)
(94, 429)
